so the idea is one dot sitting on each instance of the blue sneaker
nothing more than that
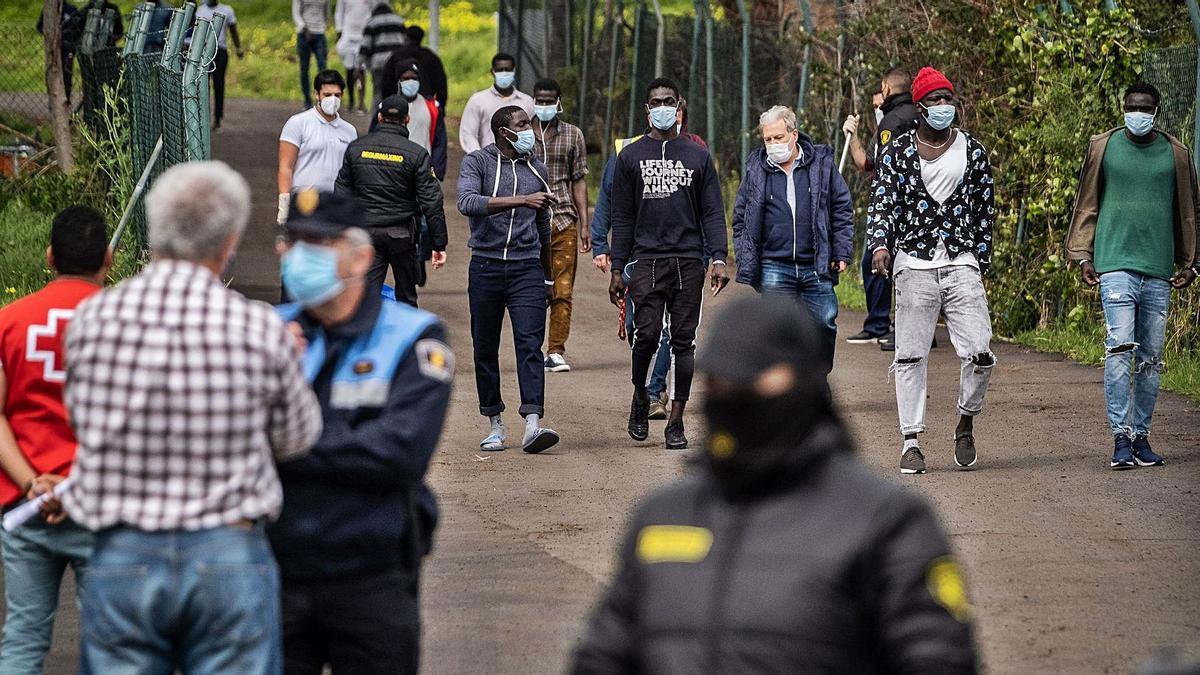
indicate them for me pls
(1122, 454)
(1143, 455)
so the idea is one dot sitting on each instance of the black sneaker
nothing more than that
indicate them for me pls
(862, 338)
(912, 461)
(639, 419)
(675, 438)
(1122, 454)
(887, 343)
(964, 450)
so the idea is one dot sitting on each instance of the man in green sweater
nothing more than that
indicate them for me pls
(1134, 223)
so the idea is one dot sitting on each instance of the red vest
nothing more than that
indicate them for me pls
(32, 335)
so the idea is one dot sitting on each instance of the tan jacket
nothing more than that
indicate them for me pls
(1082, 234)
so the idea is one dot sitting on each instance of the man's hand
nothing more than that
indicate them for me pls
(241, 53)
(298, 335)
(718, 276)
(52, 511)
(839, 266)
(616, 288)
(881, 262)
(585, 241)
(539, 200)
(438, 258)
(549, 292)
(602, 262)
(850, 126)
(1183, 278)
(1087, 272)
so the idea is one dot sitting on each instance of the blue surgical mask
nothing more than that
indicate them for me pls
(1139, 123)
(310, 274)
(524, 143)
(663, 117)
(410, 87)
(939, 116)
(545, 113)
(504, 78)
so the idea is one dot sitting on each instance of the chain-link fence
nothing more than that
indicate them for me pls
(1172, 70)
(23, 77)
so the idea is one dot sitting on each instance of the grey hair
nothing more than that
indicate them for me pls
(777, 113)
(194, 208)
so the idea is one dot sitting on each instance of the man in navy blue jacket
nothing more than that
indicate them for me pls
(668, 216)
(357, 515)
(793, 221)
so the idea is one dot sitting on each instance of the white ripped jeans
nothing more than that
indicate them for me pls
(957, 292)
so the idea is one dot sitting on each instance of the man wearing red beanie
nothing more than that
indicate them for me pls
(932, 208)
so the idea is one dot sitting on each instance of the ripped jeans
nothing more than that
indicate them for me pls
(957, 292)
(1135, 315)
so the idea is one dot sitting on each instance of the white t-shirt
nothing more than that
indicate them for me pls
(322, 146)
(203, 11)
(419, 121)
(941, 176)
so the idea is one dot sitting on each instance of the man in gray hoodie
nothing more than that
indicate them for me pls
(503, 191)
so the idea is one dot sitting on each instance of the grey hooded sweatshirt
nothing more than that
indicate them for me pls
(516, 234)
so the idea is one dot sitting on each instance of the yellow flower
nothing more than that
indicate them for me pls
(10, 290)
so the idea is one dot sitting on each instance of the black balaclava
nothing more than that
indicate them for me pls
(761, 443)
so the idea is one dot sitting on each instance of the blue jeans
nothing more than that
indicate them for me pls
(35, 557)
(313, 45)
(493, 286)
(1135, 314)
(662, 358)
(204, 601)
(814, 290)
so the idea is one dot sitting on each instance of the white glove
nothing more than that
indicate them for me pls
(850, 126)
(284, 200)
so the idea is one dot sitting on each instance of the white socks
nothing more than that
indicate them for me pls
(910, 443)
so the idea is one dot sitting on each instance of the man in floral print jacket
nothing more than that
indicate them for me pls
(929, 225)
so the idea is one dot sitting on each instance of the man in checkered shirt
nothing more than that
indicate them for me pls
(183, 395)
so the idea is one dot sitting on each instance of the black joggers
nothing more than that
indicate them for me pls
(400, 254)
(667, 293)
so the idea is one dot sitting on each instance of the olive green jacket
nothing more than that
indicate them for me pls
(1082, 234)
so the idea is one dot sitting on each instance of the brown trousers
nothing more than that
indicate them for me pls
(564, 246)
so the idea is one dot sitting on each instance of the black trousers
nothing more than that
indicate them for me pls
(400, 254)
(667, 293)
(218, 83)
(518, 286)
(363, 625)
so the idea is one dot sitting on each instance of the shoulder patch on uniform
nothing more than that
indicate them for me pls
(435, 360)
(363, 367)
(673, 543)
(945, 582)
(885, 136)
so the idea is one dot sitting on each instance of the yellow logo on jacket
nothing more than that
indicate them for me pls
(945, 582)
(383, 156)
(885, 136)
(673, 543)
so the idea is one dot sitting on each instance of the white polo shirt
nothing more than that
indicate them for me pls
(322, 146)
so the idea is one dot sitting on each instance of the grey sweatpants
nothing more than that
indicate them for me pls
(956, 292)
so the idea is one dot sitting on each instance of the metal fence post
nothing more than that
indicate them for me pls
(1194, 13)
(615, 38)
(694, 63)
(585, 53)
(180, 20)
(802, 95)
(638, 6)
(195, 72)
(745, 130)
(710, 106)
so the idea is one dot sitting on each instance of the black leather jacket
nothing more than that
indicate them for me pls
(392, 177)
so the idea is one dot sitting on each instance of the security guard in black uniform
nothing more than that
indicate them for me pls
(394, 179)
(357, 516)
(899, 115)
(784, 554)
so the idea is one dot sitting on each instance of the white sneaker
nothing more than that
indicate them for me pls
(555, 363)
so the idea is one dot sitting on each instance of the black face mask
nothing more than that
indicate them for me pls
(754, 444)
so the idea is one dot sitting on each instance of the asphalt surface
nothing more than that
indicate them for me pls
(1072, 568)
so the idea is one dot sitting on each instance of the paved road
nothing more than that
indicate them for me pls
(1073, 568)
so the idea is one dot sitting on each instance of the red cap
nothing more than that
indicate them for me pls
(929, 79)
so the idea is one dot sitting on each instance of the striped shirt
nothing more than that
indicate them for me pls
(310, 15)
(383, 33)
(182, 394)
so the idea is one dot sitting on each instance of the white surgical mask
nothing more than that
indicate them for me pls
(504, 78)
(330, 104)
(939, 116)
(545, 113)
(410, 87)
(878, 116)
(663, 117)
(1139, 123)
(779, 152)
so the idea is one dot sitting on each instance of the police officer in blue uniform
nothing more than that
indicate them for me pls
(357, 516)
